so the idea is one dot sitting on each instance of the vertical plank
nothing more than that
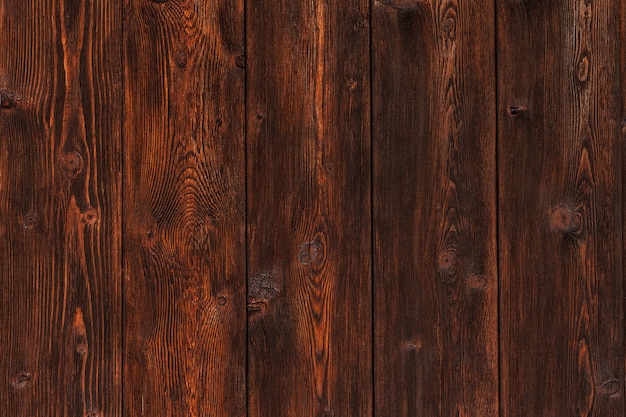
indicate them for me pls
(562, 334)
(622, 84)
(60, 221)
(435, 272)
(309, 288)
(184, 196)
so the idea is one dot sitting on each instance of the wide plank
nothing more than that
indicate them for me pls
(184, 209)
(309, 219)
(560, 205)
(435, 269)
(60, 208)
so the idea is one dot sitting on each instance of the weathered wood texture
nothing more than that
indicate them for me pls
(561, 295)
(309, 252)
(292, 208)
(435, 274)
(184, 209)
(60, 195)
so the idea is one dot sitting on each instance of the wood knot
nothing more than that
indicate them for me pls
(361, 23)
(181, 59)
(221, 301)
(476, 281)
(82, 348)
(351, 84)
(583, 69)
(517, 109)
(412, 345)
(565, 220)
(240, 61)
(29, 221)
(262, 289)
(610, 387)
(446, 262)
(311, 252)
(8, 100)
(449, 26)
(22, 379)
(90, 216)
(72, 163)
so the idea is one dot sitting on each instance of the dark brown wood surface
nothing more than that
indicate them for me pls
(561, 275)
(184, 207)
(435, 274)
(294, 208)
(60, 195)
(309, 253)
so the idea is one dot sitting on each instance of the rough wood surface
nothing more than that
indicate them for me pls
(296, 208)
(184, 202)
(561, 296)
(309, 253)
(435, 276)
(60, 195)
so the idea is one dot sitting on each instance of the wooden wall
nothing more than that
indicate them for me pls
(267, 208)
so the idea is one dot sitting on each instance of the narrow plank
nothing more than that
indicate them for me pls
(60, 217)
(622, 60)
(562, 290)
(309, 223)
(435, 269)
(184, 197)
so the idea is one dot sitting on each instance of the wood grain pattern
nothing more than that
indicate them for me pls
(435, 273)
(562, 328)
(309, 222)
(184, 196)
(60, 200)
(291, 208)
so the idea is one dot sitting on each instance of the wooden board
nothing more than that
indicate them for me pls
(184, 201)
(60, 218)
(309, 278)
(560, 196)
(435, 273)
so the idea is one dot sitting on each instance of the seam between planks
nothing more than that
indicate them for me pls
(122, 224)
(497, 195)
(372, 223)
(245, 185)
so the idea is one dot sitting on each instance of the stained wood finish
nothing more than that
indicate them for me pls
(184, 196)
(298, 208)
(435, 279)
(562, 328)
(60, 263)
(309, 281)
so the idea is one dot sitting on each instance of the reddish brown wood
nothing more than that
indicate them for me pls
(309, 282)
(562, 290)
(435, 279)
(184, 195)
(60, 208)
(383, 156)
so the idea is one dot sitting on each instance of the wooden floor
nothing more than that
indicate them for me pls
(290, 208)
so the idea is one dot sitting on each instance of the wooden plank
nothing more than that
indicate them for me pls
(184, 196)
(60, 217)
(309, 281)
(622, 60)
(560, 196)
(435, 272)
